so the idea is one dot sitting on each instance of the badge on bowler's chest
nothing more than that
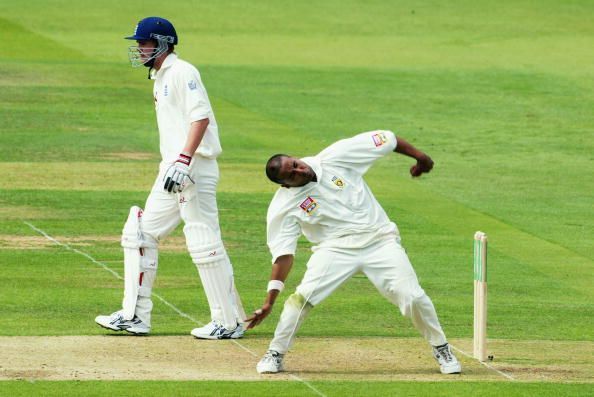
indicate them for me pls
(338, 182)
(308, 205)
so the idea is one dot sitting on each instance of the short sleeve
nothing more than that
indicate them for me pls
(194, 96)
(282, 228)
(360, 151)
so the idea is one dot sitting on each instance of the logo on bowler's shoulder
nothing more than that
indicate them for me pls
(309, 205)
(192, 85)
(379, 139)
(165, 91)
(338, 182)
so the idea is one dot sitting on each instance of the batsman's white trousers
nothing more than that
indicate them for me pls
(385, 264)
(196, 203)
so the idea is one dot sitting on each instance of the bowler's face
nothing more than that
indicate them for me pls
(294, 172)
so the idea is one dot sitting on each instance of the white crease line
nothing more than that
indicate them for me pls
(175, 309)
(508, 376)
(69, 248)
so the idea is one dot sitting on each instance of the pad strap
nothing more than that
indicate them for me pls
(204, 245)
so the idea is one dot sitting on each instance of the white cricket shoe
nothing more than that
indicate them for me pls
(116, 322)
(448, 363)
(214, 330)
(271, 363)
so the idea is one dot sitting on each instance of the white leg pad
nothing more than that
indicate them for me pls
(140, 268)
(209, 256)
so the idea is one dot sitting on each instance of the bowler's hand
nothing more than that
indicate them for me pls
(259, 315)
(424, 165)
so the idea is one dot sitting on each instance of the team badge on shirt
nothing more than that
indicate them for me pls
(309, 205)
(379, 139)
(338, 182)
(192, 85)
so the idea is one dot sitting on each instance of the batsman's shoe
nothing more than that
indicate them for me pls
(271, 363)
(116, 322)
(448, 363)
(214, 330)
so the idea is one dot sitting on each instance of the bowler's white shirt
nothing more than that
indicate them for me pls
(180, 99)
(339, 209)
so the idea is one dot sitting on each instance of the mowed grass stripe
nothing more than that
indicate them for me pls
(115, 176)
(290, 389)
(16, 37)
(554, 260)
(382, 35)
(557, 262)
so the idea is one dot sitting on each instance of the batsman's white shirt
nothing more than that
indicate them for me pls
(180, 99)
(339, 209)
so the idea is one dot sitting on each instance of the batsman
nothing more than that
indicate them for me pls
(185, 189)
(326, 199)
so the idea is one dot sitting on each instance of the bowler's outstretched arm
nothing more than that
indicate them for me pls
(280, 270)
(424, 162)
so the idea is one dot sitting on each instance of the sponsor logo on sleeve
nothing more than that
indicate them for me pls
(192, 85)
(309, 205)
(379, 139)
(165, 90)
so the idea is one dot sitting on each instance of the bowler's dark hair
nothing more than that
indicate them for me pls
(273, 167)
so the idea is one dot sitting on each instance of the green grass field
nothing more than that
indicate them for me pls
(501, 95)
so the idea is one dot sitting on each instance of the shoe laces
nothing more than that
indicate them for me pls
(221, 330)
(444, 351)
(272, 355)
(116, 317)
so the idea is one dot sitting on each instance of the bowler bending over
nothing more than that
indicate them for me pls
(325, 198)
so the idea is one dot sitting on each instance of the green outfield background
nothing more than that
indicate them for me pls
(500, 94)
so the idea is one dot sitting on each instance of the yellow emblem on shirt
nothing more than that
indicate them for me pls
(338, 182)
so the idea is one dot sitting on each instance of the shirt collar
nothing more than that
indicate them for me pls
(169, 60)
(316, 166)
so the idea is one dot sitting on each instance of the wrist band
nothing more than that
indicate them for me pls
(276, 284)
(184, 159)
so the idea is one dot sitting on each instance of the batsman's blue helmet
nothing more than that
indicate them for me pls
(155, 28)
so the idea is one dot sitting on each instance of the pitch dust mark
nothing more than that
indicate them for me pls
(539, 360)
(114, 357)
(170, 244)
(130, 156)
(18, 212)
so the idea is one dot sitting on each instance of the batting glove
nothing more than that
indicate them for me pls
(178, 174)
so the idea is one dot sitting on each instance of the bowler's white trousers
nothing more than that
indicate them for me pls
(385, 264)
